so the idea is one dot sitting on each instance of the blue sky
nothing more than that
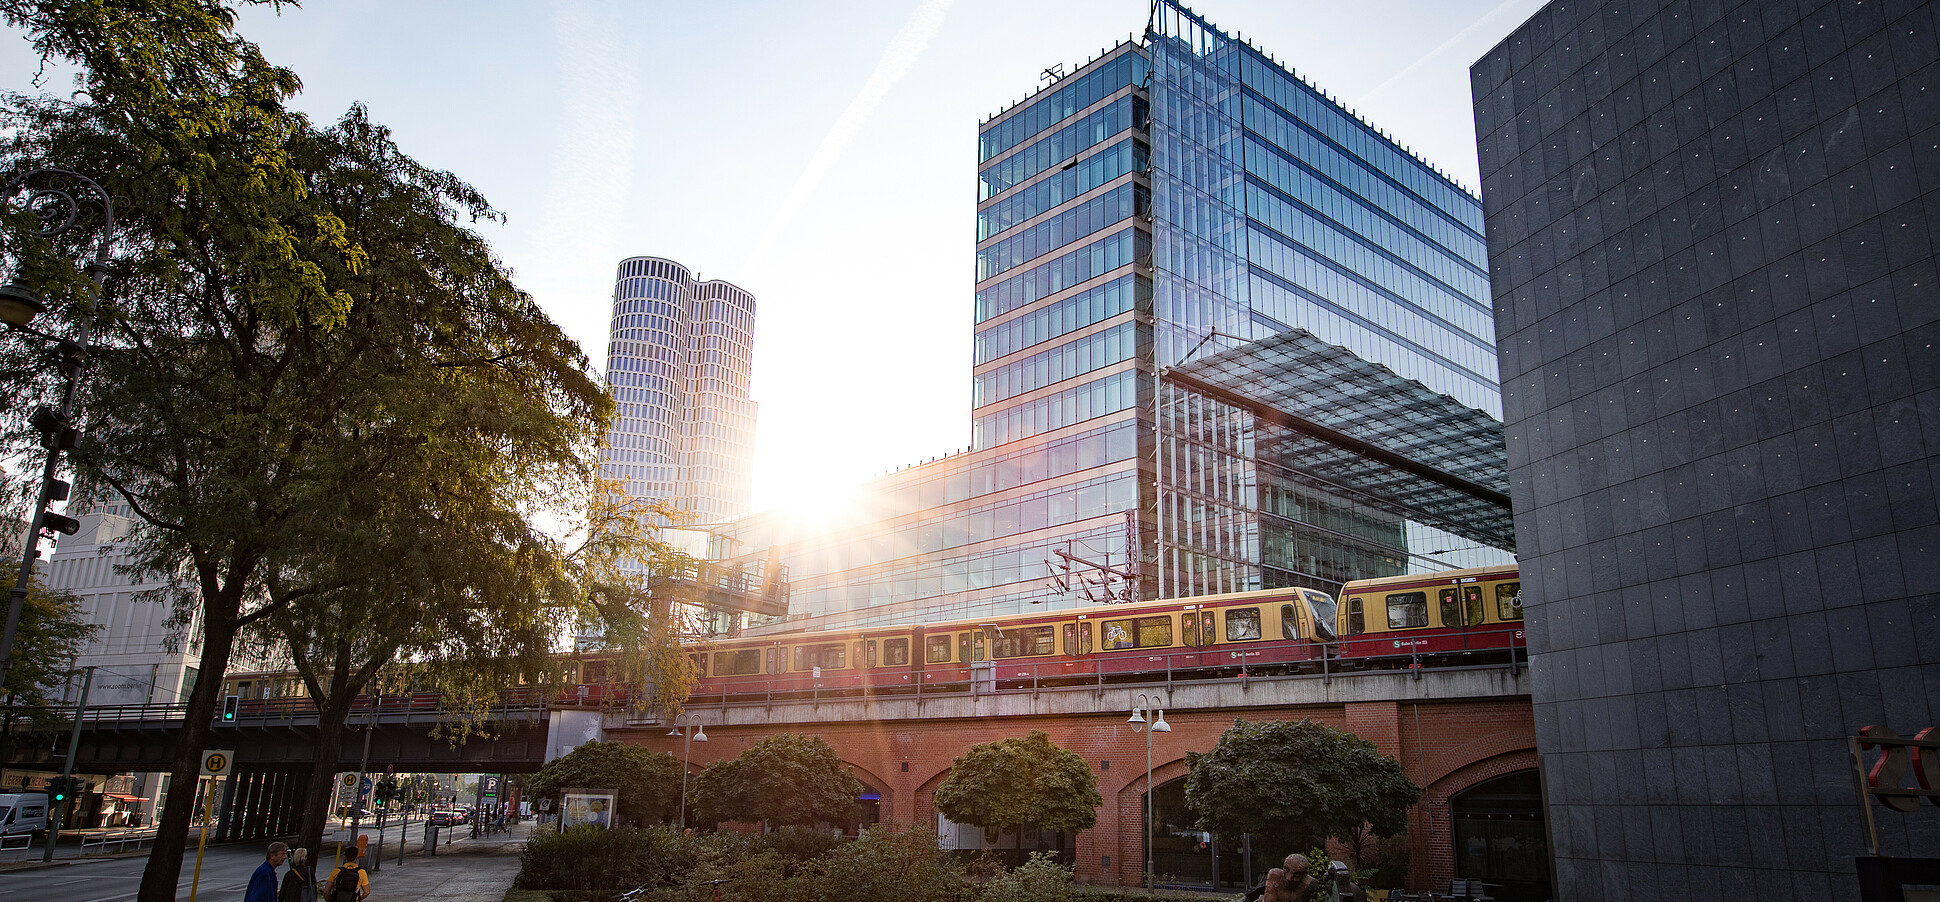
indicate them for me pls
(843, 132)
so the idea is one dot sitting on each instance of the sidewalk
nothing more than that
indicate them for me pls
(466, 870)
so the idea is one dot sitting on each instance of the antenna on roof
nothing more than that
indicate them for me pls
(1052, 74)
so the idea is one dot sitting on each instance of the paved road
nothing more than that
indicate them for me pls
(466, 870)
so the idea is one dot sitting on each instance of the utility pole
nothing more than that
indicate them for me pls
(67, 769)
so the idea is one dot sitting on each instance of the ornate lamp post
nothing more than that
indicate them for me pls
(686, 754)
(57, 198)
(1153, 702)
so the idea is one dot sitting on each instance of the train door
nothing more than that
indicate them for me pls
(1196, 634)
(1462, 614)
(775, 661)
(1077, 645)
(864, 657)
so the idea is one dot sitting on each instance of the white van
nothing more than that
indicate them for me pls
(23, 812)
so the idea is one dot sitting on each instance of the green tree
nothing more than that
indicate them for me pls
(786, 779)
(1289, 783)
(648, 784)
(235, 400)
(51, 633)
(1018, 782)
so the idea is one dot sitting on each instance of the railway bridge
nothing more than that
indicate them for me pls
(1465, 734)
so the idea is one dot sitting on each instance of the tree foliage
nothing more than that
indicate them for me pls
(785, 779)
(648, 784)
(1289, 782)
(1018, 782)
(51, 633)
(299, 351)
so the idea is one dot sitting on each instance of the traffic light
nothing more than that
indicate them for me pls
(230, 703)
(59, 788)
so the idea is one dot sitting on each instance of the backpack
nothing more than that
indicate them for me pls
(344, 887)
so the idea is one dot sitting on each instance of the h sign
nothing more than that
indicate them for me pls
(218, 762)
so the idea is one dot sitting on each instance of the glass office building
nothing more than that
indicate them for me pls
(1179, 197)
(679, 362)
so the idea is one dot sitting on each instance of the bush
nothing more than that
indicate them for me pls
(802, 843)
(595, 859)
(1041, 879)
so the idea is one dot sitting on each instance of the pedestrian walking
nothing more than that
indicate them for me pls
(349, 883)
(262, 884)
(300, 882)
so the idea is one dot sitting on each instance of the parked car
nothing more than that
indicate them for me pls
(23, 812)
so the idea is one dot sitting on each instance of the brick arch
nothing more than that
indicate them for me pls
(1431, 829)
(1123, 817)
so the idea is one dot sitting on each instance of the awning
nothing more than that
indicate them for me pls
(1349, 423)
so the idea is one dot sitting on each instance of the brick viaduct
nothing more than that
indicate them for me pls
(1450, 729)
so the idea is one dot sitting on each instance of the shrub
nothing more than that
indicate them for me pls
(1041, 879)
(595, 859)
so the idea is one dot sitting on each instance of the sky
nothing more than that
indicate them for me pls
(822, 156)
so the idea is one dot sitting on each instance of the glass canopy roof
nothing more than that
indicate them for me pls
(1329, 416)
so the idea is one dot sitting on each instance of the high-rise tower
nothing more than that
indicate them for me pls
(1179, 212)
(679, 362)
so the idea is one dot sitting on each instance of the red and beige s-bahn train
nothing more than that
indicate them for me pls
(1454, 617)
(1460, 616)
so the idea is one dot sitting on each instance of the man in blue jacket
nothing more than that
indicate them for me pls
(262, 884)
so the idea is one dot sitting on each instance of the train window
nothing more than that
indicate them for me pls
(801, 658)
(1189, 627)
(1508, 601)
(1407, 610)
(735, 663)
(1289, 622)
(833, 656)
(865, 653)
(1356, 617)
(936, 649)
(1022, 642)
(963, 648)
(1242, 624)
(1070, 639)
(1206, 634)
(1325, 611)
(776, 659)
(977, 646)
(1084, 637)
(1154, 632)
(700, 664)
(1118, 634)
(896, 651)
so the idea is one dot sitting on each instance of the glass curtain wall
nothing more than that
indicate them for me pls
(1275, 208)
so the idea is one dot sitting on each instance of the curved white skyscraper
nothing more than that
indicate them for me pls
(679, 359)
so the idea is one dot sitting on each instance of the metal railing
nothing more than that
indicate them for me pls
(7, 843)
(98, 843)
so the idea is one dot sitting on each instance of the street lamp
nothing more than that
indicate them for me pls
(1153, 702)
(56, 197)
(686, 754)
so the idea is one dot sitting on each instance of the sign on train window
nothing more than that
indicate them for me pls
(1407, 610)
(1023, 642)
(1118, 634)
(1242, 624)
(896, 651)
(1508, 601)
(936, 649)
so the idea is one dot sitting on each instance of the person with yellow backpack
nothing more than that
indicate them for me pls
(349, 883)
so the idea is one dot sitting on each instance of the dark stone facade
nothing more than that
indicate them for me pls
(1711, 230)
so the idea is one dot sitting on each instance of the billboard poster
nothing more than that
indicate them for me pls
(587, 806)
